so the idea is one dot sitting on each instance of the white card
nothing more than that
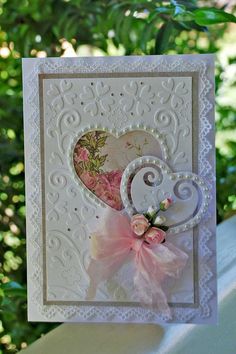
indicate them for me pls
(106, 139)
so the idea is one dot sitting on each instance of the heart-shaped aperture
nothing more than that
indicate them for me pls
(100, 158)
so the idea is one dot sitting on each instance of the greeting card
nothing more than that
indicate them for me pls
(120, 188)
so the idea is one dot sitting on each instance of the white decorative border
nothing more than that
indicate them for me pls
(207, 298)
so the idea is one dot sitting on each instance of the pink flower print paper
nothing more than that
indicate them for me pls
(100, 159)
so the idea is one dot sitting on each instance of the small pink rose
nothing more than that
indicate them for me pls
(99, 189)
(154, 235)
(166, 203)
(89, 180)
(83, 154)
(102, 185)
(117, 204)
(102, 178)
(114, 177)
(139, 224)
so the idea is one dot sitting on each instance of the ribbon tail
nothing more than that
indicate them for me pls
(150, 293)
(108, 257)
(100, 270)
(110, 246)
(153, 265)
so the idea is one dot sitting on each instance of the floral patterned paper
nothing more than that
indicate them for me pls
(100, 159)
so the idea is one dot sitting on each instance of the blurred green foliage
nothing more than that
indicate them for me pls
(35, 28)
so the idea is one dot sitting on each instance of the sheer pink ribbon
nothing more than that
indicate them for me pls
(110, 248)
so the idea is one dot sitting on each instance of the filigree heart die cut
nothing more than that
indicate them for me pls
(148, 180)
(100, 158)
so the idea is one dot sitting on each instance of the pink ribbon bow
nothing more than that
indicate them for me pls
(111, 246)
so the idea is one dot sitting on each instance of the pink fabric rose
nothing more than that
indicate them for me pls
(89, 180)
(139, 224)
(83, 154)
(154, 235)
(166, 203)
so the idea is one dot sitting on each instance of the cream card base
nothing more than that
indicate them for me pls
(106, 117)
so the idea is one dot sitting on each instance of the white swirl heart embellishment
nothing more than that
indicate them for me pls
(148, 180)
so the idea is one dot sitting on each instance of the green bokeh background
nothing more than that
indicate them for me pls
(39, 28)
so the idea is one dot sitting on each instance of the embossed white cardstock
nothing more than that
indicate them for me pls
(116, 136)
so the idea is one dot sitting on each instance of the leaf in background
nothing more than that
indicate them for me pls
(159, 11)
(184, 16)
(179, 10)
(147, 35)
(125, 30)
(163, 36)
(2, 294)
(189, 4)
(210, 16)
(118, 26)
(14, 289)
(11, 285)
(189, 26)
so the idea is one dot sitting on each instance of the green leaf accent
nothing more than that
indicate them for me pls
(102, 159)
(147, 217)
(101, 141)
(92, 142)
(83, 143)
(93, 161)
(210, 16)
(163, 227)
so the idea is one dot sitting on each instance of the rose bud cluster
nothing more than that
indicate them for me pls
(150, 226)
